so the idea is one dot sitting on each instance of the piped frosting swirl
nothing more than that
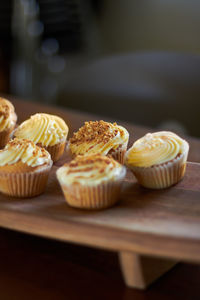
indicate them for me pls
(25, 151)
(98, 137)
(44, 129)
(90, 170)
(155, 148)
(8, 117)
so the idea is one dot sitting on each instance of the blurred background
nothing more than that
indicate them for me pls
(137, 61)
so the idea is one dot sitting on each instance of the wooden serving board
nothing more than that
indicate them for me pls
(145, 223)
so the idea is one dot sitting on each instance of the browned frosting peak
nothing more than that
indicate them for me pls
(90, 159)
(91, 170)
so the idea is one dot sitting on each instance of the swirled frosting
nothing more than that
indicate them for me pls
(43, 129)
(155, 148)
(90, 170)
(8, 117)
(25, 151)
(98, 137)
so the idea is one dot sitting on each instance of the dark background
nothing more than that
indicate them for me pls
(129, 60)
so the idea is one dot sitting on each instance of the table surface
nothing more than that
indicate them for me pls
(45, 269)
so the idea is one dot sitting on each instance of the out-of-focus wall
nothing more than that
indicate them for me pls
(148, 71)
(132, 25)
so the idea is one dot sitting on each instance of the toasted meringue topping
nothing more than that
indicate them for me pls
(155, 148)
(25, 151)
(8, 117)
(90, 170)
(43, 129)
(98, 137)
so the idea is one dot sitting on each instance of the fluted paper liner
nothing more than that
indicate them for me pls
(27, 184)
(96, 196)
(161, 176)
(56, 151)
(119, 153)
(92, 197)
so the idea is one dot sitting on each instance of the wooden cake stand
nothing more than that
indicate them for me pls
(150, 229)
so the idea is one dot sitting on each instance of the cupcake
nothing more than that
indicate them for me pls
(100, 137)
(91, 181)
(47, 131)
(158, 160)
(8, 119)
(24, 168)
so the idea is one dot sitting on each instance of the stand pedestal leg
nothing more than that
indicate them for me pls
(140, 271)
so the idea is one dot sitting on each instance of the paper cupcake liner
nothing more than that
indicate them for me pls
(5, 136)
(119, 153)
(56, 151)
(92, 197)
(24, 184)
(162, 176)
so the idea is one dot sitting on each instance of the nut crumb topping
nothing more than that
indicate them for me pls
(90, 170)
(20, 142)
(100, 131)
(24, 143)
(92, 159)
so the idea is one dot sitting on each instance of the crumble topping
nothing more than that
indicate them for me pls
(24, 143)
(90, 170)
(90, 159)
(100, 131)
(91, 162)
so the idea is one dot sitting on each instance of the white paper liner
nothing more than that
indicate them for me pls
(27, 184)
(161, 176)
(101, 196)
(56, 151)
(119, 153)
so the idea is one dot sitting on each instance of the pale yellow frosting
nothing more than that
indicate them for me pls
(90, 170)
(8, 117)
(44, 129)
(98, 137)
(25, 151)
(155, 148)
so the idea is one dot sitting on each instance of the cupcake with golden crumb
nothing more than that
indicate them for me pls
(24, 168)
(8, 119)
(158, 160)
(91, 181)
(100, 137)
(47, 131)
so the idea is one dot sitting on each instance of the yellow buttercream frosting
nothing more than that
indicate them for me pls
(8, 117)
(44, 129)
(98, 137)
(155, 148)
(90, 170)
(25, 151)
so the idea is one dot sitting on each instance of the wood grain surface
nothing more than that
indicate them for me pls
(161, 223)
